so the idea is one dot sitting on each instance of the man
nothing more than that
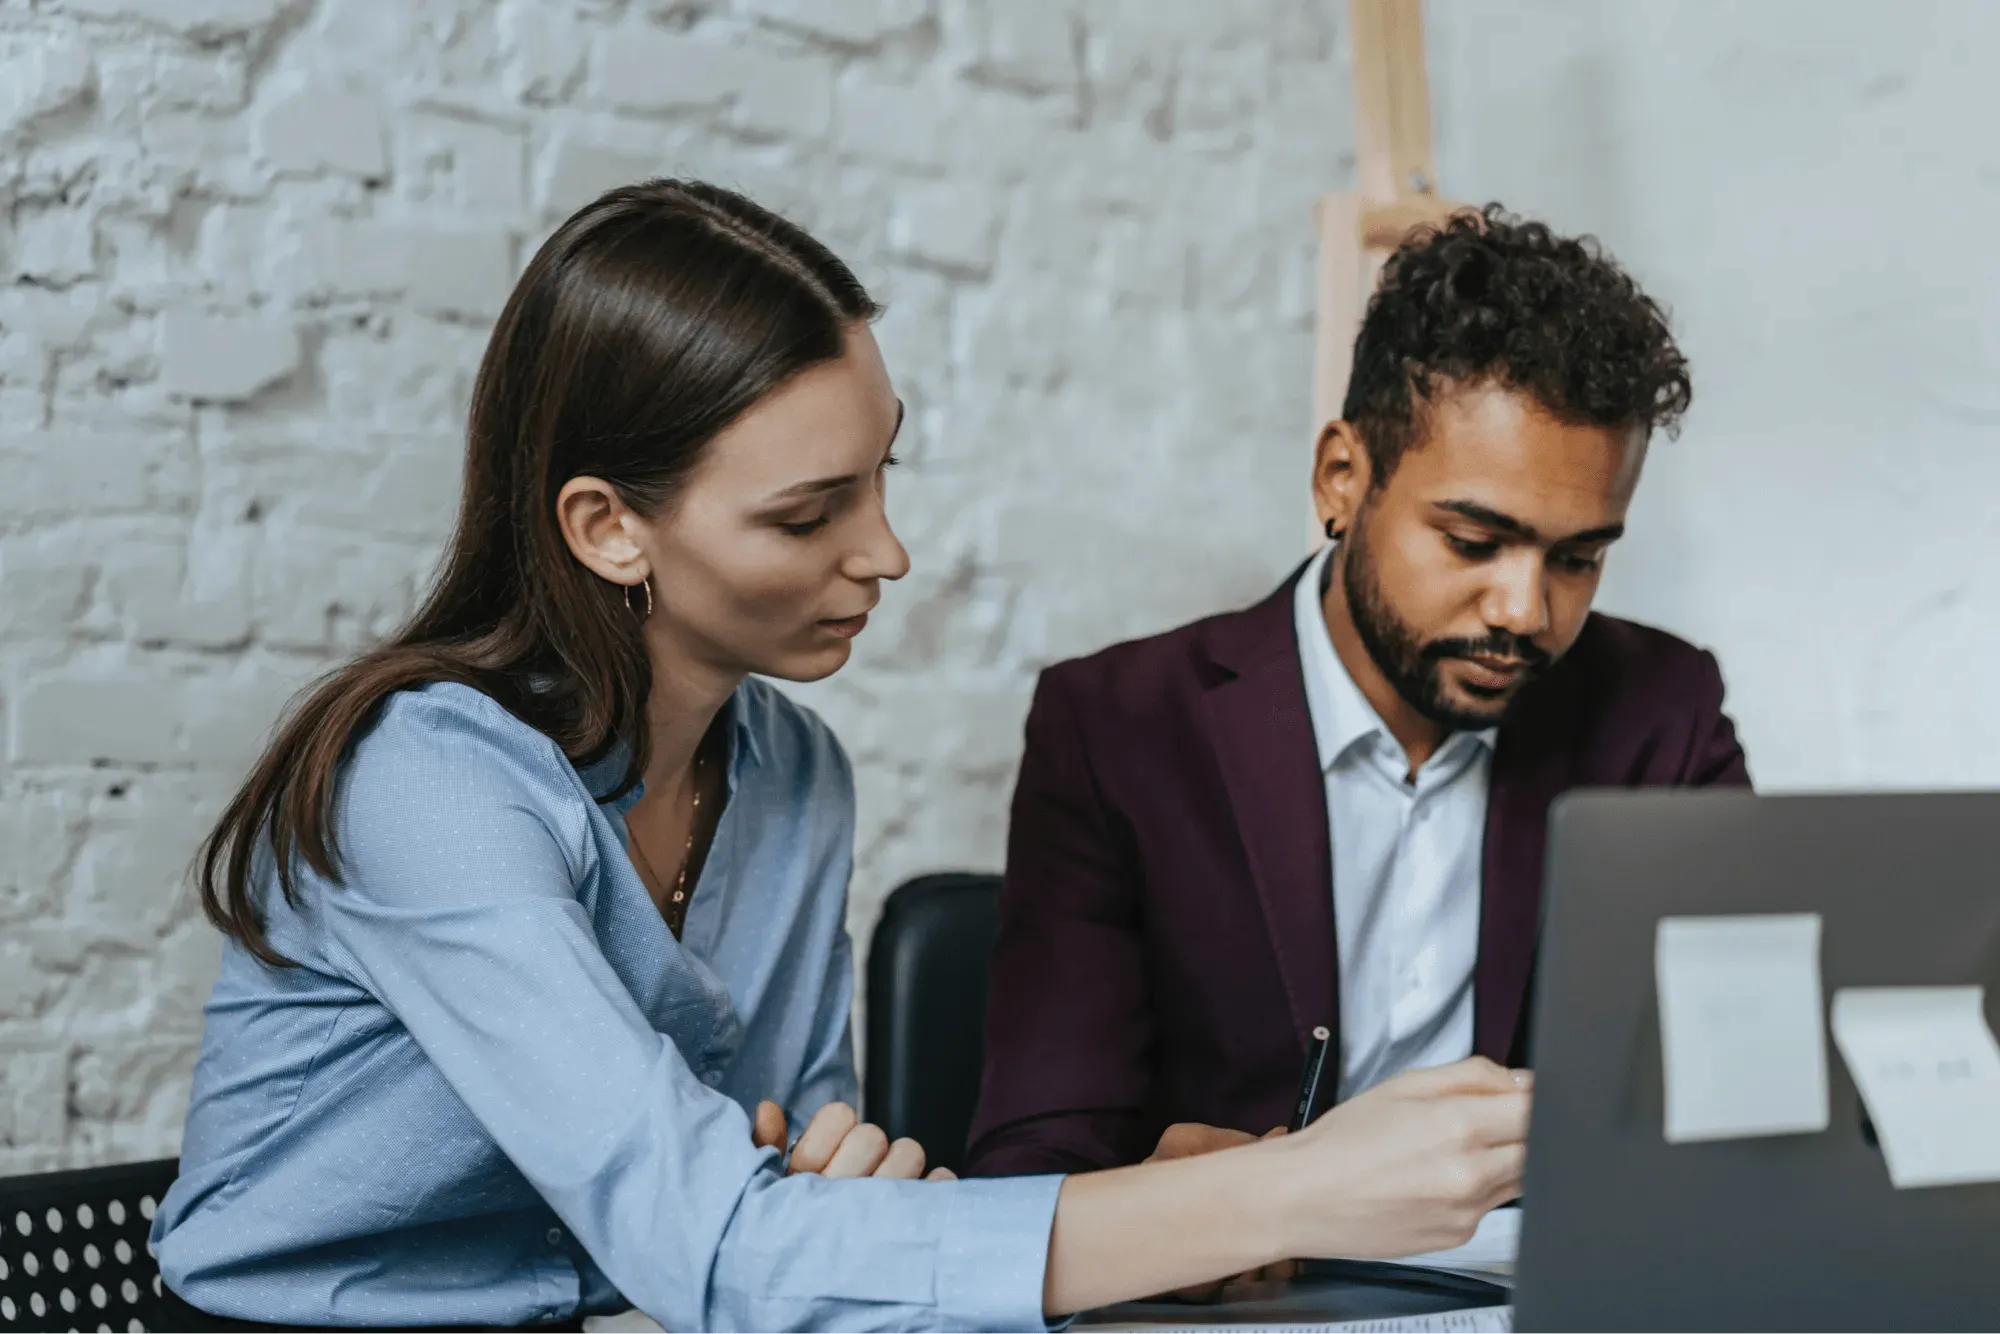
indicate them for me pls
(1329, 809)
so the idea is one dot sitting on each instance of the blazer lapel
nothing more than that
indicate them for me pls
(1263, 739)
(1532, 764)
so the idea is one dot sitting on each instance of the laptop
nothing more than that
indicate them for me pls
(1623, 1231)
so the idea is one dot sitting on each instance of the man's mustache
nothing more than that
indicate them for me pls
(1501, 644)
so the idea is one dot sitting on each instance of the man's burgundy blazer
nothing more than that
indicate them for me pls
(1166, 930)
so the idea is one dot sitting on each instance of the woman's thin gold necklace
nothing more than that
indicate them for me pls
(675, 909)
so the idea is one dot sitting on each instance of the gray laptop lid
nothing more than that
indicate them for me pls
(1624, 1231)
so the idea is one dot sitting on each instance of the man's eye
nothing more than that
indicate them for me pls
(806, 528)
(1579, 564)
(1472, 550)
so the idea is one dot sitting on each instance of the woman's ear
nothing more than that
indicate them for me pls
(1340, 476)
(602, 530)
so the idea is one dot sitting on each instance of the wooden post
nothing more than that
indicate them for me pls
(1396, 180)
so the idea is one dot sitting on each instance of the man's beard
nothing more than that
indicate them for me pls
(1412, 667)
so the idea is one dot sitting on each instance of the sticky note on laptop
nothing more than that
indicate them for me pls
(1928, 1070)
(1741, 1040)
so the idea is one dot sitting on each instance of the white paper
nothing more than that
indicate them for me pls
(1489, 1255)
(1740, 1035)
(1929, 1073)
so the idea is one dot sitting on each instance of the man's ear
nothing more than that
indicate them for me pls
(599, 528)
(1341, 476)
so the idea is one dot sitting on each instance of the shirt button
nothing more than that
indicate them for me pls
(555, 1236)
(712, 1078)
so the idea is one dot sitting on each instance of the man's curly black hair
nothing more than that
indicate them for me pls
(1488, 298)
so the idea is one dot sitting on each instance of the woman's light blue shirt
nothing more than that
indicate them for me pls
(496, 1090)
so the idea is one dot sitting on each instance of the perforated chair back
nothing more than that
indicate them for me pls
(927, 968)
(73, 1251)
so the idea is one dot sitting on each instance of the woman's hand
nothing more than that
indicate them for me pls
(1407, 1167)
(837, 1143)
(1414, 1163)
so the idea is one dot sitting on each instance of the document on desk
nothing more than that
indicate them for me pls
(1489, 1255)
(1928, 1069)
(1741, 1042)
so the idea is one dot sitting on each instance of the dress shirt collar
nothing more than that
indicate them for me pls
(602, 777)
(1342, 717)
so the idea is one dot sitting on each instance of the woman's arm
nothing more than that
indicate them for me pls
(1408, 1167)
(462, 847)
(819, 935)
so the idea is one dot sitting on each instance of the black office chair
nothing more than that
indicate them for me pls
(73, 1251)
(927, 970)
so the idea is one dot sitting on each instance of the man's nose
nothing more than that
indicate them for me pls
(1517, 600)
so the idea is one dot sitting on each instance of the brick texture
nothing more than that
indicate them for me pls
(249, 250)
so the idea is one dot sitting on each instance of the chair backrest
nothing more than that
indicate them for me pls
(927, 970)
(73, 1252)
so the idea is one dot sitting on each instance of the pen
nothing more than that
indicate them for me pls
(1310, 1079)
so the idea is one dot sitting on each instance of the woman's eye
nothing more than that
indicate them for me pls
(1471, 550)
(805, 528)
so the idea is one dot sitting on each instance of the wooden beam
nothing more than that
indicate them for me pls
(1341, 298)
(1385, 226)
(1396, 186)
(1392, 100)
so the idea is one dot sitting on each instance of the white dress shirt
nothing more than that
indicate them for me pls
(1406, 862)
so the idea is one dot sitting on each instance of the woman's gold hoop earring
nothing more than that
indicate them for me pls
(647, 584)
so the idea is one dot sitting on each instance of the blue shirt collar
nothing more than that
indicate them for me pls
(603, 776)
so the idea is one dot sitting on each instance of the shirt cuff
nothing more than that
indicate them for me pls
(993, 1258)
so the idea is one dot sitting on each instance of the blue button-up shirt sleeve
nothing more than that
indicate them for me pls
(459, 911)
(829, 1074)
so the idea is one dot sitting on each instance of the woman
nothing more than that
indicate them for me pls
(535, 913)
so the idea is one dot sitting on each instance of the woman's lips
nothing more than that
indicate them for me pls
(847, 626)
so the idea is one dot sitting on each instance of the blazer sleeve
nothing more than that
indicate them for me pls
(1715, 756)
(1069, 1021)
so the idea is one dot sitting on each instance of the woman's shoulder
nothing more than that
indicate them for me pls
(447, 714)
(449, 743)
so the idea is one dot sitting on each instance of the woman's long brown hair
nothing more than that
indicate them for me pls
(648, 322)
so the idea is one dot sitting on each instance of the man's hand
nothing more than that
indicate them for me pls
(1188, 1139)
(838, 1143)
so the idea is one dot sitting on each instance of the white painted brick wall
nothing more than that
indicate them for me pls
(248, 253)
